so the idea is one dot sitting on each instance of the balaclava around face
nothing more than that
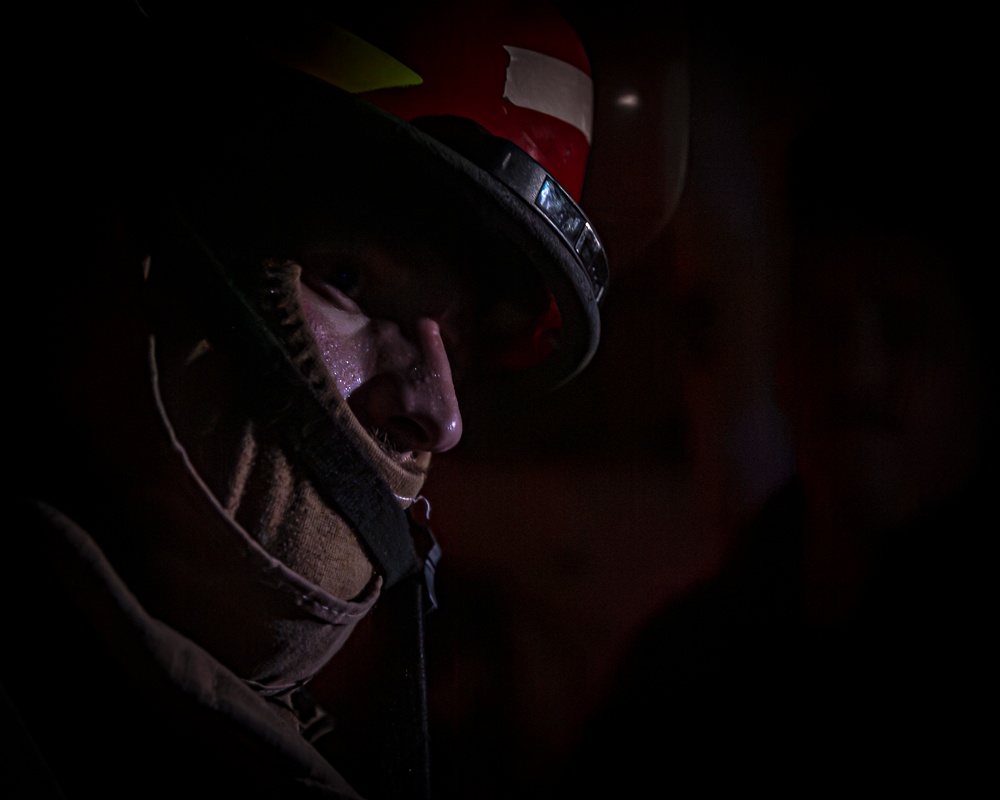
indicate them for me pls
(238, 549)
(229, 533)
(248, 468)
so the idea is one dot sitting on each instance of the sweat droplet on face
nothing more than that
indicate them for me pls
(344, 342)
(346, 361)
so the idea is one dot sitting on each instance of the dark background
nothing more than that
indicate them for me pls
(567, 521)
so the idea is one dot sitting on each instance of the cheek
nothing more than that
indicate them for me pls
(345, 341)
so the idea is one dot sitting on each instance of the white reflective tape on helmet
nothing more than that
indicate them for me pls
(546, 84)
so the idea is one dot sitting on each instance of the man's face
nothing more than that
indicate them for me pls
(394, 326)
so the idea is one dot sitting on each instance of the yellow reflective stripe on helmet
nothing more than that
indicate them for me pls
(343, 59)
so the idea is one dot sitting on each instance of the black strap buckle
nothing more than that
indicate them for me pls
(429, 552)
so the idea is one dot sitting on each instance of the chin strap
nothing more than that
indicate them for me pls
(405, 551)
(404, 736)
(289, 403)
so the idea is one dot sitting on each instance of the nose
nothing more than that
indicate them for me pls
(410, 399)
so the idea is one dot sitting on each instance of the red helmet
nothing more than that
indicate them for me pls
(488, 105)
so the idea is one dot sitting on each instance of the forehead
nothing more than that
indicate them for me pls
(411, 241)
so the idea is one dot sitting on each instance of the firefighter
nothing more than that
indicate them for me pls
(270, 250)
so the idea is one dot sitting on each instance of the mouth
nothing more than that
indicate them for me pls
(410, 459)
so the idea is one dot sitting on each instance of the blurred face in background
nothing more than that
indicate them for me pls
(880, 379)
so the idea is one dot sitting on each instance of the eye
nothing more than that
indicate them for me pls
(335, 277)
(345, 278)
